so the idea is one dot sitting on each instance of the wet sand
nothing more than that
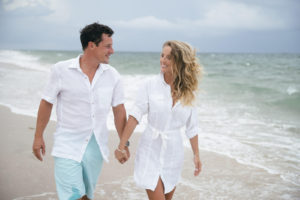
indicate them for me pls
(22, 176)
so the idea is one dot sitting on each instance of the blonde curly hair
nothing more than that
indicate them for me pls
(186, 71)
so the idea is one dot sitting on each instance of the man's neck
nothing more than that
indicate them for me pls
(88, 64)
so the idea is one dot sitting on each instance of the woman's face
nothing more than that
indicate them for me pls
(165, 60)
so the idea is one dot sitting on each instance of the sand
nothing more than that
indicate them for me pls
(22, 176)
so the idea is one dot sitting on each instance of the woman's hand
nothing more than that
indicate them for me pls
(127, 152)
(121, 155)
(198, 165)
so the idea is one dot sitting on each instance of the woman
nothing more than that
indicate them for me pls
(168, 100)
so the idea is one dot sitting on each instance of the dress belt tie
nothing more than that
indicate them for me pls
(164, 137)
(156, 133)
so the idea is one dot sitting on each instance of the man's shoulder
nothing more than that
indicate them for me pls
(66, 63)
(111, 69)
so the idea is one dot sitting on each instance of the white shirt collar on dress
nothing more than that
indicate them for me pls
(161, 75)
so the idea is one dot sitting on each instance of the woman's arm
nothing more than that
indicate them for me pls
(120, 152)
(195, 148)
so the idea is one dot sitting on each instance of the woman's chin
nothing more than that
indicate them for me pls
(162, 69)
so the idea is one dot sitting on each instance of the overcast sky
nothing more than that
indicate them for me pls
(209, 25)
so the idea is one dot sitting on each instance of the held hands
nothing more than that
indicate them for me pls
(122, 155)
(198, 165)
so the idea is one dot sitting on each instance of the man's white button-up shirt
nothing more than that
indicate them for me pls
(82, 107)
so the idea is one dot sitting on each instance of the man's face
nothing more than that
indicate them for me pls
(104, 49)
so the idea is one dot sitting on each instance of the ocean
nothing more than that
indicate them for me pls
(248, 104)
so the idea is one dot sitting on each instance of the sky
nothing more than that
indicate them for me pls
(258, 26)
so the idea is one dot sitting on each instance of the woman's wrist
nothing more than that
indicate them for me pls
(123, 146)
(121, 150)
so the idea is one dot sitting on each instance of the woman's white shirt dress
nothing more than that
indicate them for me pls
(160, 152)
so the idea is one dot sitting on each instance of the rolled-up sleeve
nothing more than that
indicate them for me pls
(53, 86)
(118, 94)
(141, 103)
(192, 125)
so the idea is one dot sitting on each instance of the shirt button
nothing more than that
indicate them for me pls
(87, 140)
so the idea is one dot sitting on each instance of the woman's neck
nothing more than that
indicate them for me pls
(168, 77)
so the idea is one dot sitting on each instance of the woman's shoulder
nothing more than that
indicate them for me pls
(149, 80)
(146, 83)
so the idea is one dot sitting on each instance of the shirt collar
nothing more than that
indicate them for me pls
(161, 75)
(76, 64)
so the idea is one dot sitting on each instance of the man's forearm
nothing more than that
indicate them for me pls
(120, 118)
(43, 117)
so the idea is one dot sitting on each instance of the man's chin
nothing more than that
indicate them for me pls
(105, 62)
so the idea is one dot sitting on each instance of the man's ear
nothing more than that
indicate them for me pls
(91, 45)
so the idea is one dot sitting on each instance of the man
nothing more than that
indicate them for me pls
(85, 88)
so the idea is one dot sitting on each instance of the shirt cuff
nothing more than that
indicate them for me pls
(48, 99)
(192, 133)
(115, 104)
(136, 113)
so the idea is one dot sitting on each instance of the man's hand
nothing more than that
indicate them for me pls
(127, 152)
(121, 155)
(43, 117)
(39, 147)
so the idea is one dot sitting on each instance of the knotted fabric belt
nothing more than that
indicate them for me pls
(164, 135)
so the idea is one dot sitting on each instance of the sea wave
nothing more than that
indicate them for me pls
(23, 60)
(292, 90)
(289, 103)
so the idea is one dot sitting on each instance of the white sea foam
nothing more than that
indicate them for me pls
(124, 188)
(291, 90)
(23, 60)
(18, 110)
(45, 195)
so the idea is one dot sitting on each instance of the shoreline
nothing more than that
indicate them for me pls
(24, 177)
(15, 111)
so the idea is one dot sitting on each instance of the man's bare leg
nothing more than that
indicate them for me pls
(84, 198)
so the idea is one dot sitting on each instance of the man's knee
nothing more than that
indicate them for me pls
(84, 198)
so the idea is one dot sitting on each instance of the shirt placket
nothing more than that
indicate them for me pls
(92, 107)
(91, 87)
(169, 112)
(92, 103)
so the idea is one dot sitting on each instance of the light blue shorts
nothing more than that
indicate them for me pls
(76, 179)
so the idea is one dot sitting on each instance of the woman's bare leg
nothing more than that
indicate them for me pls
(158, 193)
(169, 195)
